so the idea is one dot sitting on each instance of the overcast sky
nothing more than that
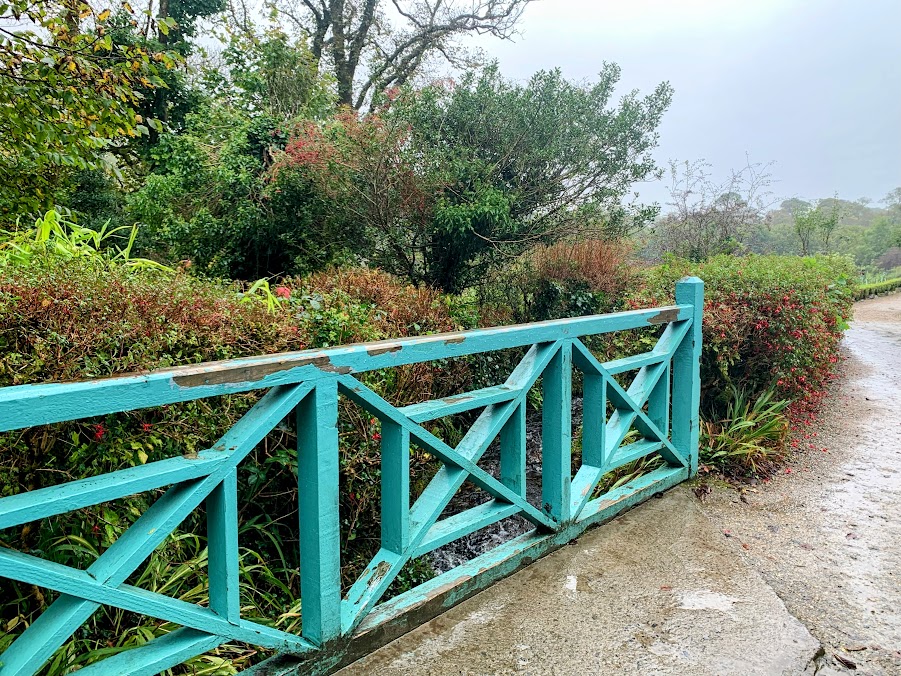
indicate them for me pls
(813, 85)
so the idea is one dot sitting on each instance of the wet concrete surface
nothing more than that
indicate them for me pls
(801, 575)
(827, 535)
(656, 591)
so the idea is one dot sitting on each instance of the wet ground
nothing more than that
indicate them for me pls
(827, 536)
(801, 575)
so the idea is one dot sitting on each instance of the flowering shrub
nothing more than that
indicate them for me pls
(770, 323)
(85, 317)
(772, 326)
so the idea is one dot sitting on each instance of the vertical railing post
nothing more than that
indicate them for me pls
(222, 547)
(513, 451)
(687, 374)
(395, 487)
(556, 435)
(320, 532)
(594, 420)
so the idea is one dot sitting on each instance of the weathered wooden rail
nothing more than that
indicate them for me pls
(661, 403)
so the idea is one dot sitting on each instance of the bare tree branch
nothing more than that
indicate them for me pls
(372, 45)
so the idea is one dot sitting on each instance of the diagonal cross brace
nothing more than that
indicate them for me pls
(459, 465)
(634, 399)
(54, 626)
(628, 410)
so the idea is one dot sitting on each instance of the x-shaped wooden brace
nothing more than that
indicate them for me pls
(628, 406)
(83, 592)
(460, 464)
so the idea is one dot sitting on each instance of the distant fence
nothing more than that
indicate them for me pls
(876, 288)
(661, 403)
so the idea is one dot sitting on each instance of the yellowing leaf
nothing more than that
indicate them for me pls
(104, 15)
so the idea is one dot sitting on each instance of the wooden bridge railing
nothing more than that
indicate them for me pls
(661, 403)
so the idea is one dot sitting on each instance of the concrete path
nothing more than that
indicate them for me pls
(827, 536)
(798, 576)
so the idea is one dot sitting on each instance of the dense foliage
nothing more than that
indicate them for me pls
(65, 318)
(70, 90)
(216, 208)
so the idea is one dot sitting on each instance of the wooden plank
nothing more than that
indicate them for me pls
(556, 435)
(320, 526)
(659, 403)
(463, 523)
(27, 405)
(459, 403)
(594, 419)
(74, 495)
(663, 350)
(222, 547)
(156, 656)
(395, 487)
(632, 452)
(687, 375)
(513, 451)
(633, 363)
(81, 585)
(370, 586)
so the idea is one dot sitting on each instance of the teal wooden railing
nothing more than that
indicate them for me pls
(661, 403)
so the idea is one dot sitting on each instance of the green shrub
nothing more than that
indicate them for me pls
(752, 432)
(772, 326)
(86, 317)
(770, 322)
(874, 289)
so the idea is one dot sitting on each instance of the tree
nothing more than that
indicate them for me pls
(456, 179)
(706, 217)
(273, 74)
(370, 46)
(823, 218)
(68, 93)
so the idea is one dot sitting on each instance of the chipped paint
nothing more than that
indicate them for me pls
(384, 349)
(454, 340)
(665, 316)
(381, 570)
(224, 373)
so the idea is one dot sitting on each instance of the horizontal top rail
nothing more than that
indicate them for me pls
(24, 406)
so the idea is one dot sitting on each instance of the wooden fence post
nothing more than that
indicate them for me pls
(687, 374)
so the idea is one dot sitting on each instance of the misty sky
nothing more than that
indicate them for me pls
(813, 85)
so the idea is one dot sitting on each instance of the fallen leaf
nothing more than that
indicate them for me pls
(844, 661)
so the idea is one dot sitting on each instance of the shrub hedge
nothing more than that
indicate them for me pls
(874, 289)
(772, 326)
(68, 319)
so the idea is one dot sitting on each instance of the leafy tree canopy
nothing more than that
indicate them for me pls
(68, 91)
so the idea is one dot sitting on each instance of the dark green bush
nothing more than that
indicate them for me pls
(84, 318)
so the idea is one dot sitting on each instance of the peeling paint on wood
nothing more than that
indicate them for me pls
(664, 316)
